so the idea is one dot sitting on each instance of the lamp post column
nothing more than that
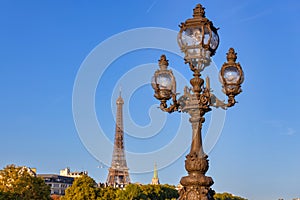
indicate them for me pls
(196, 185)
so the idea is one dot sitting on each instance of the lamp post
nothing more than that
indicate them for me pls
(198, 40)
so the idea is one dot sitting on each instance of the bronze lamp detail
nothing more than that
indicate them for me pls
(198, 40)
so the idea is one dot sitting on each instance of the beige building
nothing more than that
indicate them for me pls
(68, 173)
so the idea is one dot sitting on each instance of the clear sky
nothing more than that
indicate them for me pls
(43, 45)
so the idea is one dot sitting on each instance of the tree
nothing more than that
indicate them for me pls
(4, 195)
(83, 188)
(159, 192)
(22, 183)
(131, 192)
(147, 192)
(227, 196)
(169, 192)
(108, 193)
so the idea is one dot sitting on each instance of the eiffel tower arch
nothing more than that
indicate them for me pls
(118, 175)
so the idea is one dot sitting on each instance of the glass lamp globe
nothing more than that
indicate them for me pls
(198, 39)
(163, 81)
(231, 75)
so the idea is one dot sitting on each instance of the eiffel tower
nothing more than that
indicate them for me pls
(118, 175)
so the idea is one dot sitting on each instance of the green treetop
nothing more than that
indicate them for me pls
(83, 188)
(20, 183)
(227, 196)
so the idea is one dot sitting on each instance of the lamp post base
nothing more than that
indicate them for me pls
(196, 193)
(196, 186)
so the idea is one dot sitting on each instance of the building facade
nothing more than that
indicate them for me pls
(58, 184)
(67, 172)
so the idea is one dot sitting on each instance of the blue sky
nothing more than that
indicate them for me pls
(44, 43)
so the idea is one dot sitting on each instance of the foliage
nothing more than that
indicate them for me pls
(227, 196)
(4, 195)
(131, 192)
(160, 192)
(83, 188)
(147, 192)
(18, 183)
(108, 193)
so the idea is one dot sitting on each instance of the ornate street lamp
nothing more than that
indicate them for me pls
(198, 40)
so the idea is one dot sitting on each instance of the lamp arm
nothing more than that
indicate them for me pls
(217, 103)
(172, 108)
(231, 101)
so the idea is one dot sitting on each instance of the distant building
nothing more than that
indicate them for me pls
(57, 183)
(155, 180)
(67, 172)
